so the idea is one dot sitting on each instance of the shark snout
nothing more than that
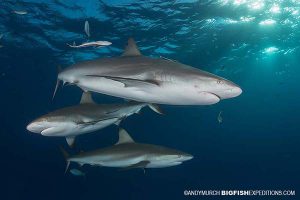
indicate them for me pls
(187, 157)
(64, 77)
(36, 127)
(232, 91)
(235, 91)
(225, 89)
(49, 128)
(69, 75)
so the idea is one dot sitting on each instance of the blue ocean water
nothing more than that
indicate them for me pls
(254, 43)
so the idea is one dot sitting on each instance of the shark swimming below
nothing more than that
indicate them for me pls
(144, 79)
(127, 154)
(84, 118)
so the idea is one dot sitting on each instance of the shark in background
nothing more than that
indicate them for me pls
(127, 154)
(84, 118)
(152, 80)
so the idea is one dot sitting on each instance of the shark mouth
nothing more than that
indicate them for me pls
(52, 131)
(210, 97)
(215, 95)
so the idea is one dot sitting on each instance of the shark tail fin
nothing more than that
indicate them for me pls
(66, 156)
(155, 108)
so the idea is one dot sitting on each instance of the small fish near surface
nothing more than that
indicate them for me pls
(127, 154)
(84, 118)
(20, 12)
(87, 28)
(96, 44)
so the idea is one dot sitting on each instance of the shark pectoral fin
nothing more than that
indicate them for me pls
(142, 164)
(97, 121)
(70, 141)
(130, 82)
(112, 111)
(156, 108)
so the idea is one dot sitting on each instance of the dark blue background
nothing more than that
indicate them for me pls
(256, 146)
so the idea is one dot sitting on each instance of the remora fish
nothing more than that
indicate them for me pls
(220, 119)
(154, 80)
(87, 28)
(84, 118)
(91, 44)
(128, 154)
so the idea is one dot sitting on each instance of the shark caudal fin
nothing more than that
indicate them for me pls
(155, 108)
(57, 82)
(66, 156)
(131, 49)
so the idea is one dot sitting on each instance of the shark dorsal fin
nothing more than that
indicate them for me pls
(124, 137)
(131, 49)
(86, 98)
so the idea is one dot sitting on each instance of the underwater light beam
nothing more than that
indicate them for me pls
(267, 22)
(270, 50)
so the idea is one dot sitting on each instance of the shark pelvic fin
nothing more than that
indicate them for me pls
(70, 141)
(131, 49)
(155, 108)
(86, 98)
(124, 137)
(142, 164)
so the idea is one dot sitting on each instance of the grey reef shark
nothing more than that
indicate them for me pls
(152, 80)
(84, 118)
(127, 154)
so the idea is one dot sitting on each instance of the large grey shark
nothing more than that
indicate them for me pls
(84, 118)
(144, 79)
(128, 154)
